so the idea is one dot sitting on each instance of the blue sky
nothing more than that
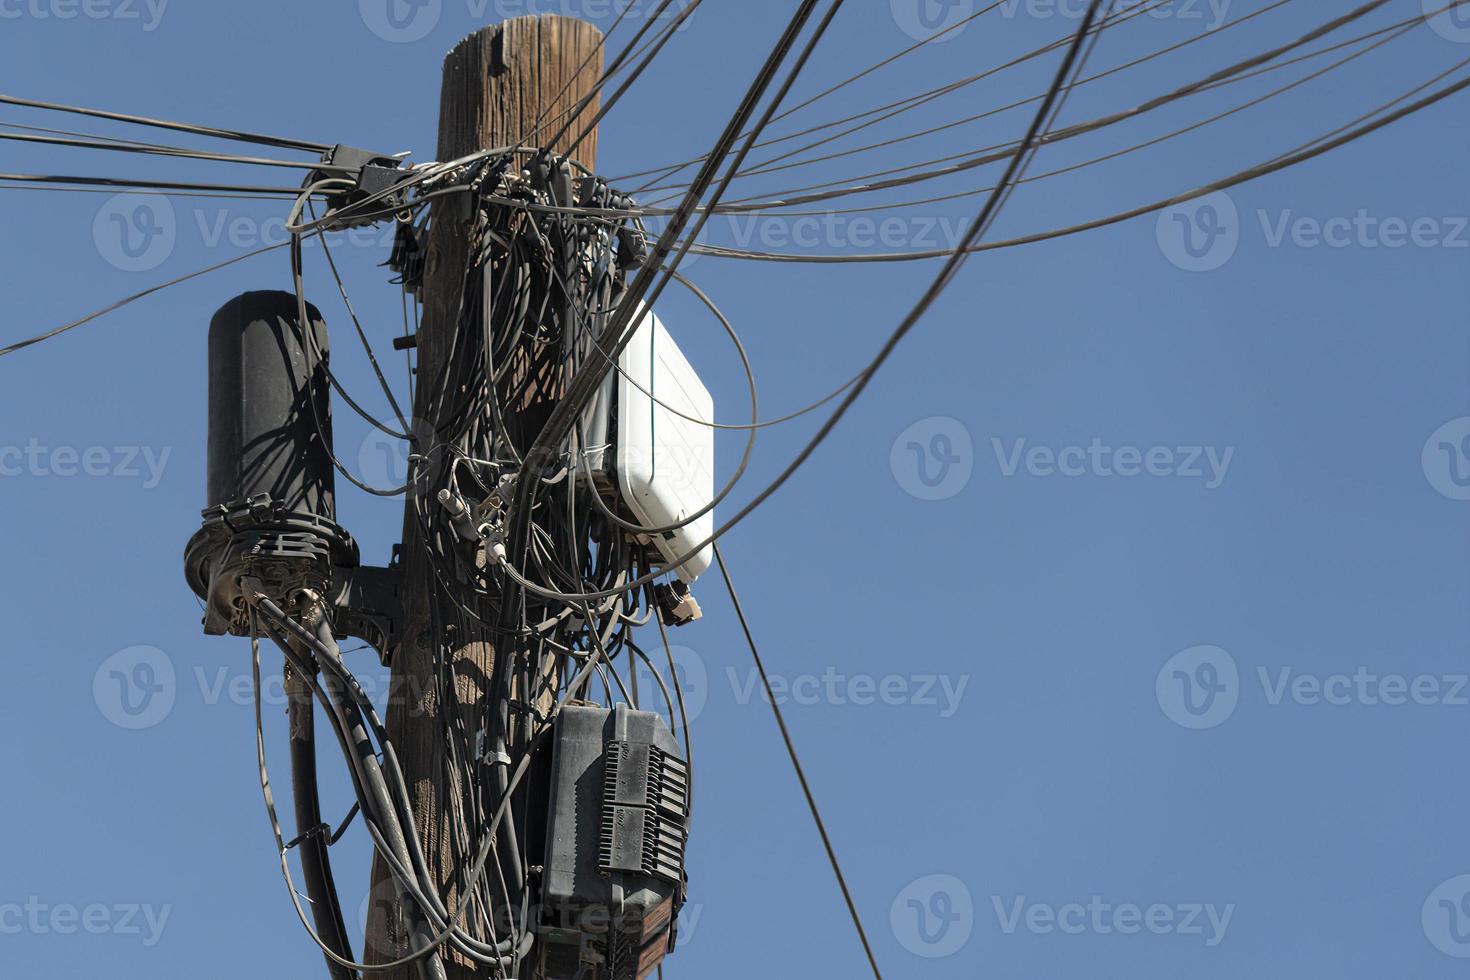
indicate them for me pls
(1121, 625)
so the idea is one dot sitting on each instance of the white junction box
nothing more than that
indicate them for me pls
(662, 448)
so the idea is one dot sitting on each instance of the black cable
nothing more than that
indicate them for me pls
(167, 151)
(1392, 32)
(165, 185)
(43, 188)
(670, 169)
(774, 165)
(350, 709)
(361, 334)
(970, 160)
(230, 134)
(316, 863)
(946, 275)
(584, 384)
(1107, 23)
(617, 334)
(656, 47)
(1308, 151)
(922, 98)
(21, 345)
(806, 789)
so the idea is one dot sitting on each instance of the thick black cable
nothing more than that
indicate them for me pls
(617, 334)
(643, 291)
(670, 169)
(316, 862)
(956, 260)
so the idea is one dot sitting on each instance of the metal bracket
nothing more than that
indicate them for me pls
(369, 604)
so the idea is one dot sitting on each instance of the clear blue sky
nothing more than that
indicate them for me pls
(1136, 583)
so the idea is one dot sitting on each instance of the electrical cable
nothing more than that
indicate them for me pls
(1397, 32)
(955, 260)
(806, 789)
(167, 151)
(930, 95)
(230, 134)
(617, 334)
(671, 169)
(970, 161)
(1300, 155)
(21, 345)
(773, 165)
(130, 183)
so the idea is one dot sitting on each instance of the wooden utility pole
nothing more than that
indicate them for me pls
(501, 84)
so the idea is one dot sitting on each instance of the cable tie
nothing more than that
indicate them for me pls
(322, 830)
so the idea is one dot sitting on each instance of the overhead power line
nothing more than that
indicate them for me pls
(212, 131)
(806, 789)
(21, 345)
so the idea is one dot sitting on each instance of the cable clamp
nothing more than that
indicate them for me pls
(322, 830)
(372, 174)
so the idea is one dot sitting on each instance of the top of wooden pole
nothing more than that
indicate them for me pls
(509, 80)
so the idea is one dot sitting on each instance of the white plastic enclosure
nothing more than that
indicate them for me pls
(664, 462)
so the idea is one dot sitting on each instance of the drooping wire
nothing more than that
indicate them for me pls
(806, 789)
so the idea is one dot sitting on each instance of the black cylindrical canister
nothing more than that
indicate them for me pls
(270, 422)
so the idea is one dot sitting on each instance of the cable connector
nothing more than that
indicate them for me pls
(410, 253)
(676, 604)
(462, 516)
(495, 544)
(372, 173)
